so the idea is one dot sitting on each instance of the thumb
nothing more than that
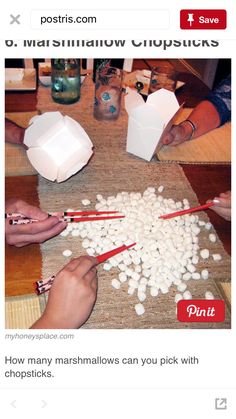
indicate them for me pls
(168, 138)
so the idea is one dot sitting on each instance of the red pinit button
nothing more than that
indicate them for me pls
(203, 19)
(201, 311)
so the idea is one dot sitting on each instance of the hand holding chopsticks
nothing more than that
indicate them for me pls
(62, 214)
(72, 297)
(44, 285)
(68, 216)
(38, 232)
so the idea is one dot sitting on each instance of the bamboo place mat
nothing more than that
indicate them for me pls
(16, 160)
(21, 312)
(213, 147)
(225, 290)
(112, 170)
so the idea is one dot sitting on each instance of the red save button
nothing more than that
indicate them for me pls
(203, 19)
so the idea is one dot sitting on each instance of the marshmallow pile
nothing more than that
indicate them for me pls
(167, 251)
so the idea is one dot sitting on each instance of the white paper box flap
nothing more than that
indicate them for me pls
(132, 100)
(147, 116)
(142, 141)
(171, 122)
(165, 103)
(43, 163)
(42, 128)
(77, 131)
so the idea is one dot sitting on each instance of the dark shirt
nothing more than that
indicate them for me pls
(220, 97)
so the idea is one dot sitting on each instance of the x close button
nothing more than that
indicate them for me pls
(15, 19)
(203, 19)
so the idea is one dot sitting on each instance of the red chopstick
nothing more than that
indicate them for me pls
(187, 211)
(62, 213)
(82, 219)
(101, 258)
(44, 285)
(68, 220)
(73, 213)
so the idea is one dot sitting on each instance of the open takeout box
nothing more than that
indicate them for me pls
(149, 121)
(58, 146)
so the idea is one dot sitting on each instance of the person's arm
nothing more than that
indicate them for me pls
(209, 114)
(13, 133)
(204, 117)
(71, 297)
(22, 235)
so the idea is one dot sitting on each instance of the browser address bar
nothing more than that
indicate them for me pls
(100, 19)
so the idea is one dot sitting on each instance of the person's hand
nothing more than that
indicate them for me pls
(13, 133)
(223, 205)
(177, 134)
(72, 296)
(24, 234)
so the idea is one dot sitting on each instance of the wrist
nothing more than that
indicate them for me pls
(21, 135)
(45, 322)
(189, 129)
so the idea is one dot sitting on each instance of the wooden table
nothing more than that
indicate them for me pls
(206, 180)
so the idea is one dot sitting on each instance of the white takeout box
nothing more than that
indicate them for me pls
(13, 75)
(58, 146)
(147, 121)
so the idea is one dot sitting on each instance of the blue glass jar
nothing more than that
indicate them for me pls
(66, 80)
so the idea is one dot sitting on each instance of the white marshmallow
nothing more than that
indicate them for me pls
(122, 277)
(85, 202)
(139, 308)
(196, 275)
(209, 295)
(107, 266)
(204, 274)
(182, 287)
(205, 253)
(131, 290)
(187, 295)
(187, 276)
(216, 257)
(212, 237)
(141, 296)
(178, 297)
(208, 226)
(67, 253)
(115, 283)
(85, 242)
(154, 291)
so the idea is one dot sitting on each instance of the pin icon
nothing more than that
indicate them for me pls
(190, 18)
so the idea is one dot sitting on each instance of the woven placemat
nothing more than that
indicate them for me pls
(16, 160)
(211, 148)
(21, 312)
(112, 170)
(225, 290)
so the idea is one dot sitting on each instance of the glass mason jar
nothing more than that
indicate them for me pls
(108, 90)
(162, 77)
(97, 63)
(66, 80)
